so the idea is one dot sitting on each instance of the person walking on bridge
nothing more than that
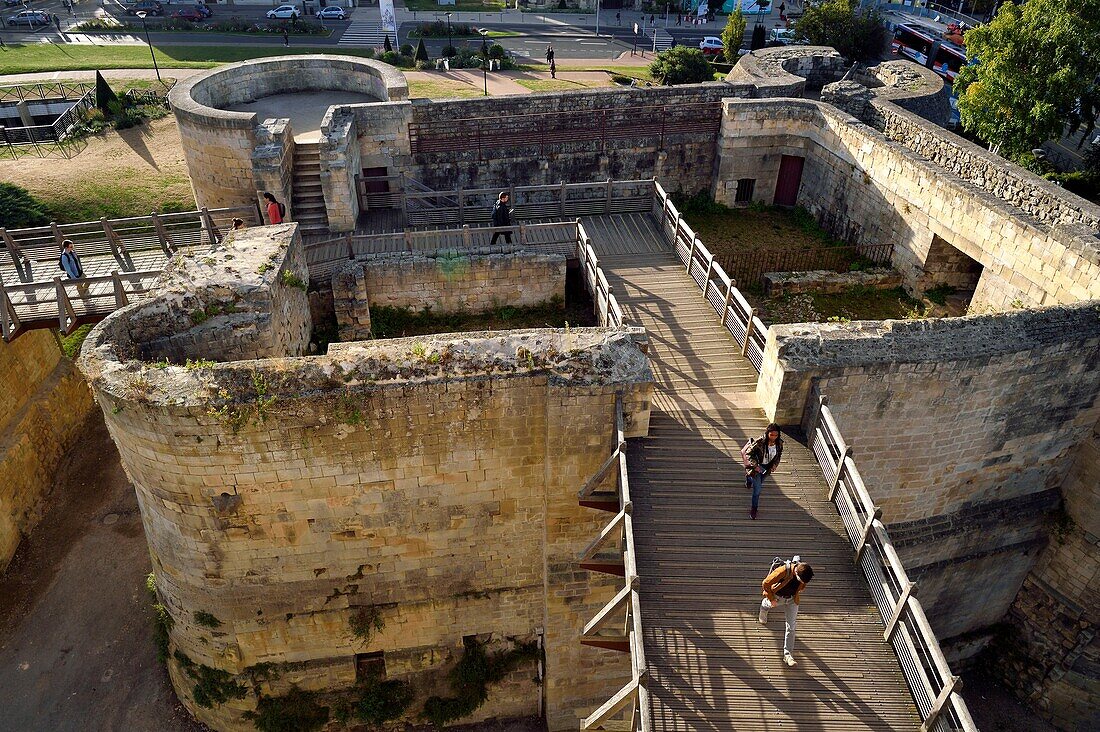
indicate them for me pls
(783, 587)
(502, 216)
(761, 457)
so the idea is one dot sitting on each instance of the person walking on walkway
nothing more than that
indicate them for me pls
(553, 70)
(783, 587)
(502, 216)
(761, 457)
(70, 262)
(286, 37)
(275, 210)
(550, 53)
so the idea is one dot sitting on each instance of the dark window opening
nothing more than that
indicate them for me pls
(745, 187)
(950, 277)
(370, 666)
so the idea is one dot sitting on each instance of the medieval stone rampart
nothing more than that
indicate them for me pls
(42, 406)
(443, 282)
(427, 484)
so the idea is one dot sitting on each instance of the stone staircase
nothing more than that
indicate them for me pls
(307, 198)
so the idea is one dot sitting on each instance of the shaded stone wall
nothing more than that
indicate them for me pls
(287, 496)
(443, 282)
(41, 409)
(963, 430)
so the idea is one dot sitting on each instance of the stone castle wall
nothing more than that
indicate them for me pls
(287, 496)
(444, 282)
(41, 410)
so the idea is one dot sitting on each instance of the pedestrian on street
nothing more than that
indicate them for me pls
(761, 457)
(69, 262)
(286, 37)
(783, 587)
(57, 22)
(275, 210)
(550, 53)
(502, 214)
(651, 19)
(679, 18)
(69, 5)
(553, 70)
(618, 18)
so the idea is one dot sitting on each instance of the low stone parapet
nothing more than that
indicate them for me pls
(828, 282)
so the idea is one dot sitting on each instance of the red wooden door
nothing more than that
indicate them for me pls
(790, 177)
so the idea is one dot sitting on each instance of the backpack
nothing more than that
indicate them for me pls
(788, 563)
(61, 263)
(282, 209)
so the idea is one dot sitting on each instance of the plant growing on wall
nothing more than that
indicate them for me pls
(295, 711)
(162, 620)
(365, 622)
(470, 679)
(212, 686)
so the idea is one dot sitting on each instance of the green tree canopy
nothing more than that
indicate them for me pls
(681, 65)
(19, 209)
(1036, 68)
(836, 23)
(733, 34)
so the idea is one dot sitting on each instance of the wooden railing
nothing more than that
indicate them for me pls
(608, 312)
(719, 289)
(120, 257)
(618, 625)
(423, 207)
(935, 689)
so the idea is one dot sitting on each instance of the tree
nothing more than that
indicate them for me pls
(421, 51)
(1036, 69)
(681, 65)
(759, 37)
(837, 23)
(18, 208)
(733, 35)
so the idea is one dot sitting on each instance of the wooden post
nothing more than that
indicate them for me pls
(941, 701)
(404, 198)
(691, 255)
(899, 608)
(408, 240)
(839, 469)
(867, 532)
(117, 245)
(706, 280)
(120, 292)
(607, 198)
(522, 235)
(461, 208)
(16, 254)
(467, 236)
(211, 228)
(726, 304)
(348, 244)
(562, 197)
(57, 235)
(63, 305)
(162, 234)
(748, 332)
(9, 319)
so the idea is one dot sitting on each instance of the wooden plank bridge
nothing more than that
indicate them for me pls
(701, 558)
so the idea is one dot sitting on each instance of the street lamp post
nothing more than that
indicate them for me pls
(484, 59)
(141, 14)
(597, 18)
(449, 44)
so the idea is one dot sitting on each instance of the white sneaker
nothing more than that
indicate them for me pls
(788, 659)
(763, 616)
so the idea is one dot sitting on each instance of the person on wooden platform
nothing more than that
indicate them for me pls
(761, 457)
(783, 587)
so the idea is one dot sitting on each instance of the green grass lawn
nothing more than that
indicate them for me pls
(465, 6)
(442, 89)
(857, 303)
(545, 85)
(25, 59)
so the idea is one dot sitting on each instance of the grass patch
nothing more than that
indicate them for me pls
(857, 303)
(30, 58)
(442, 89)
(86, 199)
(467, 6)
(633, 72)
(387, 322)
(70, 344)
(546, 85)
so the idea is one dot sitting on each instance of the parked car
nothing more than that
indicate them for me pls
(192, 14)
(332, 12)
(711, 45)
(149, 7)
(30, 17)
(783, 37)
(204, 9)
(284, 11)
(13, 2)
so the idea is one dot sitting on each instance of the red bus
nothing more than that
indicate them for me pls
(923, 46)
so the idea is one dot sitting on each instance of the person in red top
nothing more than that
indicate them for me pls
(275, 210)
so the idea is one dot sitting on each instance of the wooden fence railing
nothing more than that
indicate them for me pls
(618, 625)
(934, 687)
(120, 258)
(608, 312)
(423, 207)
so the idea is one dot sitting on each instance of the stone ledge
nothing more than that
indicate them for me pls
(827, 281)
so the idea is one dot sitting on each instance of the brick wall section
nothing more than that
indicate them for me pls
(41, 411)
(865, 188)
(444, 282)
(282, 495)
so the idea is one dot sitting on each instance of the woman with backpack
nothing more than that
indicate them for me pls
(275, 210)
(783, 588)
(761, 457)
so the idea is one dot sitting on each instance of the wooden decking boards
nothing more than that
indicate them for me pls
(701, 558)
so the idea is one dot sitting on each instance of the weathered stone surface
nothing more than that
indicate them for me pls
(446, 281)
(827, 281)
(432, 482)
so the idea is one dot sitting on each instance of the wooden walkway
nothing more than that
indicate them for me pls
(701, 558)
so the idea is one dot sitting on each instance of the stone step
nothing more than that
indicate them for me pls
(310, 184)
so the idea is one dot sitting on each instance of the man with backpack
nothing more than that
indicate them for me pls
(783, 587)
(502, 216)
(69, 262)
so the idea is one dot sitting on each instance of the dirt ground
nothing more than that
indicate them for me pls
(114, 174)
(994, 708)
(76, 647)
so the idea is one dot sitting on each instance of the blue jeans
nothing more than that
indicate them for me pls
(757, 480)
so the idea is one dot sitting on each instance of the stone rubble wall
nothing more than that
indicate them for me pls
(777, 284)
(963, 429)
(444, 282)
(432, 481)
(42, 409)
(273, 165)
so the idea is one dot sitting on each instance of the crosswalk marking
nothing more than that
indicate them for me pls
(365, 32)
